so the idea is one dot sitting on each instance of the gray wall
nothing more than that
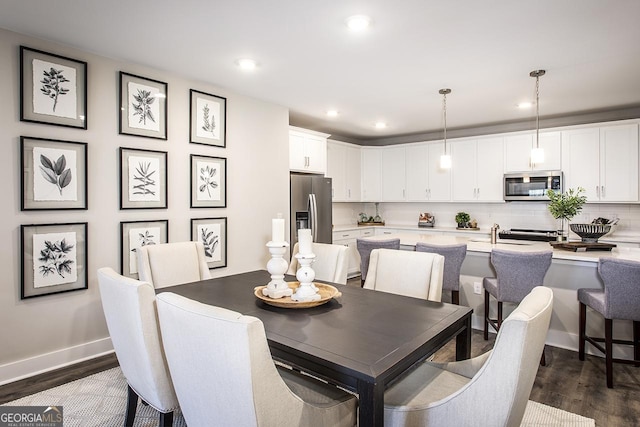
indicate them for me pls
(44, 332)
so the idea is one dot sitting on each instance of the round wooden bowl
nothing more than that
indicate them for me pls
(327, 292)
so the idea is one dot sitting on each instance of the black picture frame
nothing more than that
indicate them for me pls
(143, 179)
(53, 259)
(208, 181)
(53, 89)
(53, 174)
(152, 120)
(208, 231)
(134, 234)
(207, 119)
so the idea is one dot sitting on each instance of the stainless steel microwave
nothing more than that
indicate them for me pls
(531, 186)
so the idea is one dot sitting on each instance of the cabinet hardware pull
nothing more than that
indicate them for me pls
(597, 191)
(603, 194)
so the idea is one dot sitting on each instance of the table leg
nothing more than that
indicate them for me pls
(370, 404)
(463, 341)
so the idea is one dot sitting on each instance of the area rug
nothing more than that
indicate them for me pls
(99, 400)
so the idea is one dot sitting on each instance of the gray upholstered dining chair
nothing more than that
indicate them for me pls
(224, 374)
(365, 246)
(169, 264)
(620, 300)
(459, 394)
(331, 263)
(453, 255)
(408, 273)
(130, 310)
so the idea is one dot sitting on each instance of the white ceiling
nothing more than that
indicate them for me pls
(309, 61)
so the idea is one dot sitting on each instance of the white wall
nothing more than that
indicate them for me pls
(40, 333)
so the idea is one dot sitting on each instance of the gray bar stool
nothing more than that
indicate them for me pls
(366, 246)
(619, 300)
(454, 255)
(517, 273)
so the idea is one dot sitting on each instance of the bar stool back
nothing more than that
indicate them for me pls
(365, 247)
(619, 300)
(454, 255)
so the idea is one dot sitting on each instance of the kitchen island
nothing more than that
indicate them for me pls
(569, 271)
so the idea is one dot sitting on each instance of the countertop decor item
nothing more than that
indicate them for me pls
(565, 206)
(590, 233)
(462, 219)
(426, 220)
(583, 246)
(326, 292)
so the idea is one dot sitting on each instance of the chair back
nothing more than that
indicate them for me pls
(519, 272)
(453, 255)
(169, 264)
(130, 310)
(331, 262)
(366, 246)
(621, 280)
(413, 274)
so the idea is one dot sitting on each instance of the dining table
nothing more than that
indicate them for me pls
(361, 340)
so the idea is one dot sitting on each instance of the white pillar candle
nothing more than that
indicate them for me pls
(304, 241)
(277, 230)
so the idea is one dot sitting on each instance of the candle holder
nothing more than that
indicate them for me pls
(277, 266)
(307, 291)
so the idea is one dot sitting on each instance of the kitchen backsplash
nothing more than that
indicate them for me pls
(532, 215)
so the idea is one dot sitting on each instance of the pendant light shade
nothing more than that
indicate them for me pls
(445, 159)
(537, 153)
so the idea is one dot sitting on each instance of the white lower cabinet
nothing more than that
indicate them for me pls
(349, 238)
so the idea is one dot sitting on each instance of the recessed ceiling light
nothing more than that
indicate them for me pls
(380, 125)
(332, 113)
(358, 23)
(525, 105)
(247, 64)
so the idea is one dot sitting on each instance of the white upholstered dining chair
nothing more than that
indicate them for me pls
(224, 374)
(130, 310)
(413, 274)
(169, 264)
(489, 390)
(331, 262)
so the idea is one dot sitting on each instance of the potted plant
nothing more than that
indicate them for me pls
(462, 218)
(565, 206)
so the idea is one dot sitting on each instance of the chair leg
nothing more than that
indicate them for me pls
(608, 345)
(486, 315)
(636, 342)
(543, 360)
(166, 419)
(132, 405)
(499, 315)
(582, 331)
(455, 297)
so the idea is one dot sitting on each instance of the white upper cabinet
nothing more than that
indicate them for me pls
(393, 174)
(477, 170)
(343, 167)
(371, 174)
(517, 149)
(307, 151)
(603, 161)
(426, 181)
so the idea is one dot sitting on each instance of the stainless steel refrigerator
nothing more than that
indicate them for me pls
(311, 207)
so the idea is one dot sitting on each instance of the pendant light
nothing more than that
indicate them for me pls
(445, 159)
(537, 153)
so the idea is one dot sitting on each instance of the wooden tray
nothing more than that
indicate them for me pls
(327, 292)
(369, 224)
(583, 246)
(468, 228)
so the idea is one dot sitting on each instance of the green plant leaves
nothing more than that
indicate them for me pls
(566, 205)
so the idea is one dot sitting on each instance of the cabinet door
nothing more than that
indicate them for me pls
(393, 175)
(371, 179)
(490, 170)
(337, 170)
(550, 142)
(353, 174)
(581, 161)
(316, 152)
(517, 152)
(619, 163)
(417, 167)
(463, 170)
(297, 157)
(439, 179)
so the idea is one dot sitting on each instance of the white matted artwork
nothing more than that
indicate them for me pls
(56, 175)
(208, 182)
(208, 116)
(54, 89)
(143, 106)
(144, 109)
(54, 257)
(143, 179)
(143, 182)
(136, 234)
(139, 237)
(212, 233)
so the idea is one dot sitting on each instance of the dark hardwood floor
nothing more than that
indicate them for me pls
(565, 383)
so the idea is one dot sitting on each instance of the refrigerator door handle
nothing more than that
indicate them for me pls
(313, 216)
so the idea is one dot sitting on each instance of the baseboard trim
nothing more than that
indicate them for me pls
(25, 368)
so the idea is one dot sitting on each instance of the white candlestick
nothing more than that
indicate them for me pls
(304, 241)
(277, 230)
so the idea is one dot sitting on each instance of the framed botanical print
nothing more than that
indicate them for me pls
(212, 233)
(208, 182)
(143, 106)
(134, 235)
(53, 258)
(53, 89)
(208, 117)
(53, 174)
(143, 179)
